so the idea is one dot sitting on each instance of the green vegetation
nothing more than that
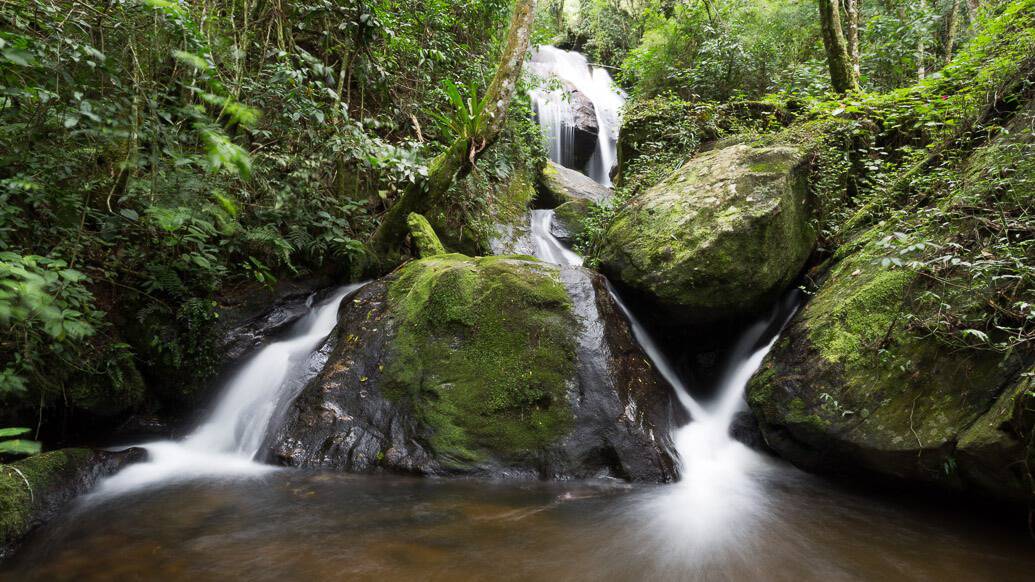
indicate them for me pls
(157, 154)
(485, 353)
(24, 484)
(158, 158)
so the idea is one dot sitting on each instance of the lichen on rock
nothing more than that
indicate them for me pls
(718, 238)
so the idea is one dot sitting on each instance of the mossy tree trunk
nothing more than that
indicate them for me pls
(458, 160)
(854, 51)
(838, 60)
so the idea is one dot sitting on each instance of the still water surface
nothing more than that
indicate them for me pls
(291, 525)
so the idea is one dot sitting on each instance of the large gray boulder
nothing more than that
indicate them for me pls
(586, 129)
(492, 366)
(558, 185)
(718, 238)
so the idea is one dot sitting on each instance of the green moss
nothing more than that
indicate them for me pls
(862, 306)
(484, 352)
(798, 414)
(38, 473)
(715, 238)
(424, 236)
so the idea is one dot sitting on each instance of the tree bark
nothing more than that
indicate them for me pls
(463, 153)
(921, 48)
(852, 15)
(972, 7)
(951, 28)
(838, 60)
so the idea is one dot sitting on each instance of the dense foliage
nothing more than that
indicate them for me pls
(157, 155)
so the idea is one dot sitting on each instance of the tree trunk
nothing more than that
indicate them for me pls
(921, 48)
(838, 61)
(852, 15)
(972, 7)
(463, 153)
(951, 27)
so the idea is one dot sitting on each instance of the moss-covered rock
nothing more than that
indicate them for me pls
(569, 220)
(424, 237)
(851, 388)
(659, 134)
(494, 365)
(718, 238)
(504, 389)
(909, 362)
(35, 489)
(559, 185)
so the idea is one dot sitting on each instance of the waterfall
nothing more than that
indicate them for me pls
(229, 440)
(557, 120)
(560, 71)
(720, 498)
(547, 247)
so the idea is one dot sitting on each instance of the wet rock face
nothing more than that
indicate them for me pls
(498, 366)
(586, 127)
(719, 238)
(34, 490)
(559, 185)
(569, 220)
(245, 328)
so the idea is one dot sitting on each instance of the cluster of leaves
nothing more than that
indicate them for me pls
(155, 153)
(17, 446)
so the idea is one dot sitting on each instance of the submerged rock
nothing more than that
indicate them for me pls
(719, 238)
(36, 489)
(495, 366)
(558, 185)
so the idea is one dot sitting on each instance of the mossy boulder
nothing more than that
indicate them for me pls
(660, 133)
(569, 220)
(717, 239)
(34, 490)
(558, 185)
(499, 366)
(913, 360)
(850, 388)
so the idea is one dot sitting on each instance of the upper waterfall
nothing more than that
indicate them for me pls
(565, 74)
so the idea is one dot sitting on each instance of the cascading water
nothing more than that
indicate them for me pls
(556, 114)
(547, 247)
(229, 440)
(719, 499)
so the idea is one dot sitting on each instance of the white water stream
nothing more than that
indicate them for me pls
(720, 497)
(227, 443)
(556, 115)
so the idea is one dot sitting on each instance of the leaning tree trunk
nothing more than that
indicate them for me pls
(838, 61)
(463, 153)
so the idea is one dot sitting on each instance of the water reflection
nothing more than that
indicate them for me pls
(299, 526)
